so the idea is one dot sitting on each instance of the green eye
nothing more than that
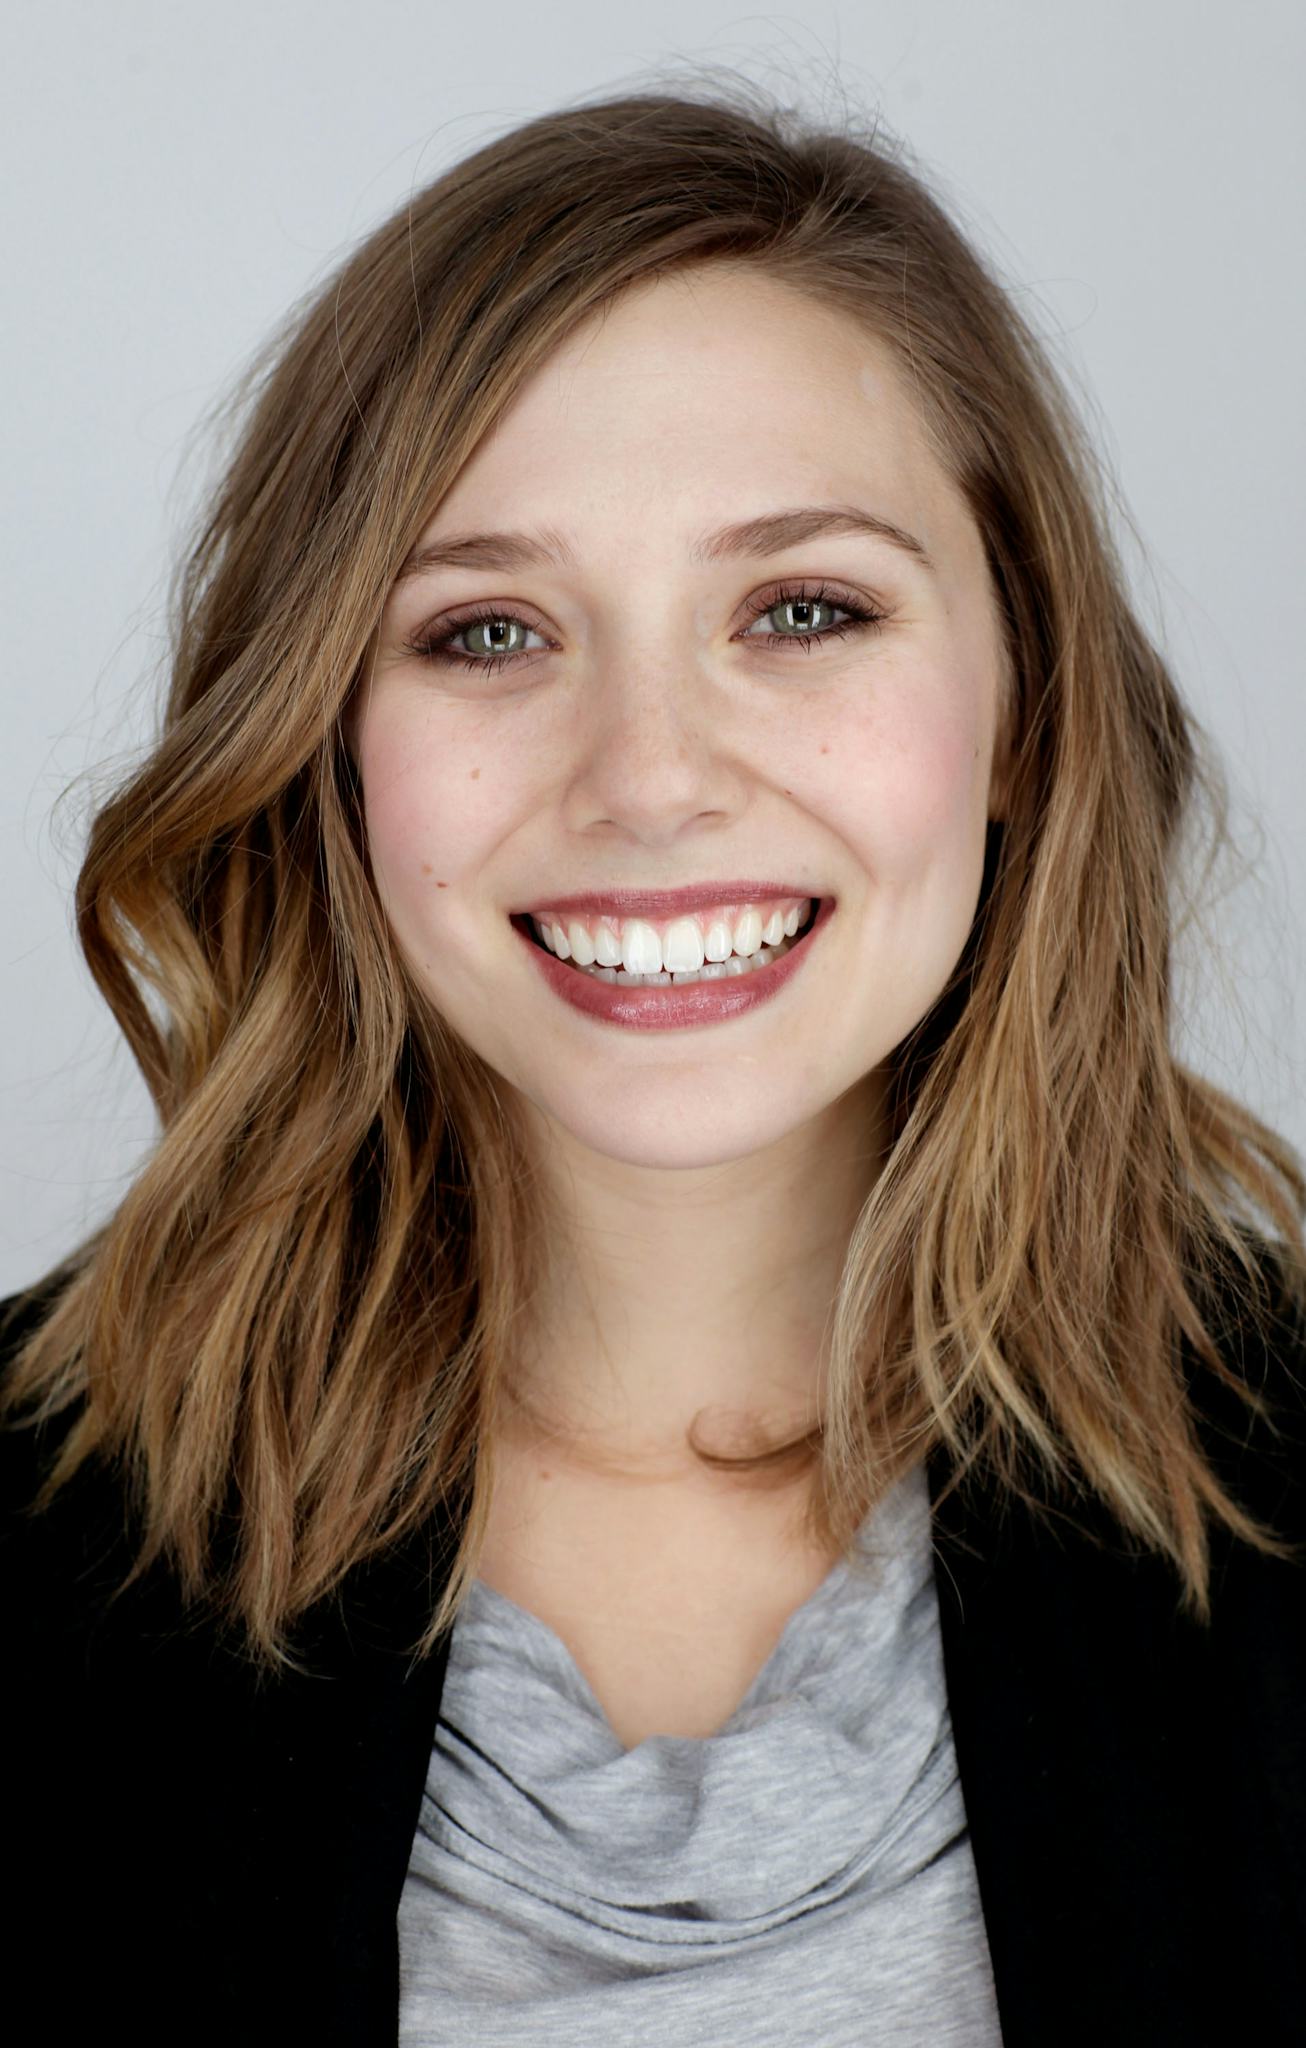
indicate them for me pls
(808, 605)
(498, 632)
(802, 608)
(499, 628)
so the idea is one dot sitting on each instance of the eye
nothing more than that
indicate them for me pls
(502, 632)
(801, 606)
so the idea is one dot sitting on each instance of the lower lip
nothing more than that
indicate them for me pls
(674, 1008)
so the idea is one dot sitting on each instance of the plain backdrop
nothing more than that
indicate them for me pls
(177, 174)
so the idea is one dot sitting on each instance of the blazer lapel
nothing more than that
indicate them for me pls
(328, 1787)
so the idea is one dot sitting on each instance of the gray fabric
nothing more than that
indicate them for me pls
(804, 1876)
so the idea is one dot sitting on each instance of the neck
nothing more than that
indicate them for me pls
(696, 1296)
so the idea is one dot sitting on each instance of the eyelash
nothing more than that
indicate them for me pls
(862, 617)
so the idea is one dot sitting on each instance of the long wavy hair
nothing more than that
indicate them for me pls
(296, 1325)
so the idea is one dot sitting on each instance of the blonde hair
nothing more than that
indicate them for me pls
(296, 1323)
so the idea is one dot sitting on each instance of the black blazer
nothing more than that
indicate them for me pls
(199, 1858)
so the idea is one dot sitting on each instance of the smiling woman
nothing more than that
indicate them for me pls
(660, 873)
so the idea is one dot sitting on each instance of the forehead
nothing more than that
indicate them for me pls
(703, 395)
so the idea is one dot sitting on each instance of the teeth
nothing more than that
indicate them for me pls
(719, 940)
(748, 932)
(712, 970)
(641, 948)
(684, 947)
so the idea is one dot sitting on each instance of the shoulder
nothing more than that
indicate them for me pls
(27, 1446)
(1260, 1452)
(21, 1313)
(59, 1561)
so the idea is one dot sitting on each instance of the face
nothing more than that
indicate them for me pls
(649, 714)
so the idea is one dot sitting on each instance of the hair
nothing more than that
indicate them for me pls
(295, 1326)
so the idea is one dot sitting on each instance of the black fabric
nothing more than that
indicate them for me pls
(196, 1857)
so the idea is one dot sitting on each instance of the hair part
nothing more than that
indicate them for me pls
(292, 1334)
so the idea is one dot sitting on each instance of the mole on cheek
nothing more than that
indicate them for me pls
(426, 867)
(475, 773)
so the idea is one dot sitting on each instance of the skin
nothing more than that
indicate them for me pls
(704, 1182)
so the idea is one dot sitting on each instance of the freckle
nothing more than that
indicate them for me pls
(442, 885)
(825, 750)
(426, 867)
(475, 773)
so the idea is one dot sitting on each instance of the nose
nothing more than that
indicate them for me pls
(657, 750)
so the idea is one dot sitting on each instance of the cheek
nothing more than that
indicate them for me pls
(909, 787)
(429, 821)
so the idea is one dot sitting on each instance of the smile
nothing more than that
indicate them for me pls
(658, 997)
(726, 940)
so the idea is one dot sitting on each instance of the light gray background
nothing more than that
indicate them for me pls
(177, 174)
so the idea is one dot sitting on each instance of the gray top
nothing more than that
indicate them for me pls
(803, 1876)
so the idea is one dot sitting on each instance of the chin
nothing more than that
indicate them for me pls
(667, 1126)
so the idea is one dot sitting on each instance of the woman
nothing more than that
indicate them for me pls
(682, 1438)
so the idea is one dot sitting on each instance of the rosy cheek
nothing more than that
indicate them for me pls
(401, 826)
(408, 818)
(907, 789)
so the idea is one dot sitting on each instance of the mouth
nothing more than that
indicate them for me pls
(719, 992)
(734, 966)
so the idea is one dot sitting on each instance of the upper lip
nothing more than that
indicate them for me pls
(666, 902)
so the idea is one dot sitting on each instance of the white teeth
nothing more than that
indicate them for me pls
(641, 949)
(684, 948)
(714, 971)
(710, 971)
(718, 940)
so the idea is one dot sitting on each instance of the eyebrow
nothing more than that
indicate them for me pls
(769, 534)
